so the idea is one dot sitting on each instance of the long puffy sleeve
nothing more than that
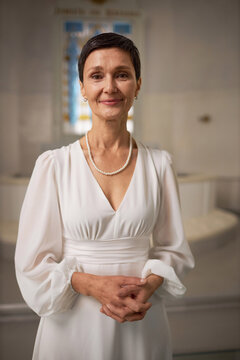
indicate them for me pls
(43, 276)
(170, 255)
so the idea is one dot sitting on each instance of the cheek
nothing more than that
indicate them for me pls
(130, 94)
(131, 90)
(94, 91)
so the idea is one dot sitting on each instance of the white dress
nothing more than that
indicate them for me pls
(67, 224)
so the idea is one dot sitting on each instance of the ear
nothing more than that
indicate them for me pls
(139, 83)
(82, 89)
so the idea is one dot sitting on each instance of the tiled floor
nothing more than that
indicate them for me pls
(224, 355)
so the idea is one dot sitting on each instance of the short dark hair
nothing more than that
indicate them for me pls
(109, 40)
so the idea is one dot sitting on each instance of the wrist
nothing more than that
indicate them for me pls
(83, 283)
(155, 281)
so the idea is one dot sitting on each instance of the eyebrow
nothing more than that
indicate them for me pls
(99, 68)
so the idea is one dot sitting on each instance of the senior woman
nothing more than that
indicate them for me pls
(83, 258)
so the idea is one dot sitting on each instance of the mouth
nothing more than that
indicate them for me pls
(110, 101)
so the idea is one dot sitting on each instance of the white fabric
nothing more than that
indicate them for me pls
(67, 224)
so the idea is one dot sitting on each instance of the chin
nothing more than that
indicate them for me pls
(114, 116)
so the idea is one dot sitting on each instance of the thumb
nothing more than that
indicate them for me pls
(133, 281)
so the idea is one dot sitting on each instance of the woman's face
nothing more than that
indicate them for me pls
(109, 84)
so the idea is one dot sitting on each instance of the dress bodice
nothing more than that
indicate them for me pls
(87, 213)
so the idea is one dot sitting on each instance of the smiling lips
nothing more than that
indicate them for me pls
(110, 101)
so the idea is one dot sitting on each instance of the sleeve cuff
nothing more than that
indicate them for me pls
(171, 283)
(64, 295)
(70, 280)
(72, 266)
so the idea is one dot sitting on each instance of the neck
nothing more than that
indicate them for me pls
(109, 135)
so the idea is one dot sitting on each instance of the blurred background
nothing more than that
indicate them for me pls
(189, 105)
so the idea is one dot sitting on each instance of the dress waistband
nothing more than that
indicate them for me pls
(123, 250)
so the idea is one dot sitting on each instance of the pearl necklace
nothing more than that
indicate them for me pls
(116, 171)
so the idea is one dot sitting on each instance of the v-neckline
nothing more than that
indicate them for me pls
(100, 188)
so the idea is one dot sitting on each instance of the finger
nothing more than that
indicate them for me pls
(131, 280)
(136, 306)
(135, 317)
(120, 311)
(123, 312)
(103, 311)
(108, 312)
(128, 290)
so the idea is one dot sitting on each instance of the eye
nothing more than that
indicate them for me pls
(96, 76)
(122, 75)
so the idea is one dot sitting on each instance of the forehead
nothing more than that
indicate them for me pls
(109, 57)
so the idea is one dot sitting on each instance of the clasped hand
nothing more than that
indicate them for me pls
(125, 298)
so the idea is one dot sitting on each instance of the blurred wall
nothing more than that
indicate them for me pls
(192, 59)
(191, 68)
(26, 72)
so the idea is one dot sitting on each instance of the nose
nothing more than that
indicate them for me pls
(110, 85)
